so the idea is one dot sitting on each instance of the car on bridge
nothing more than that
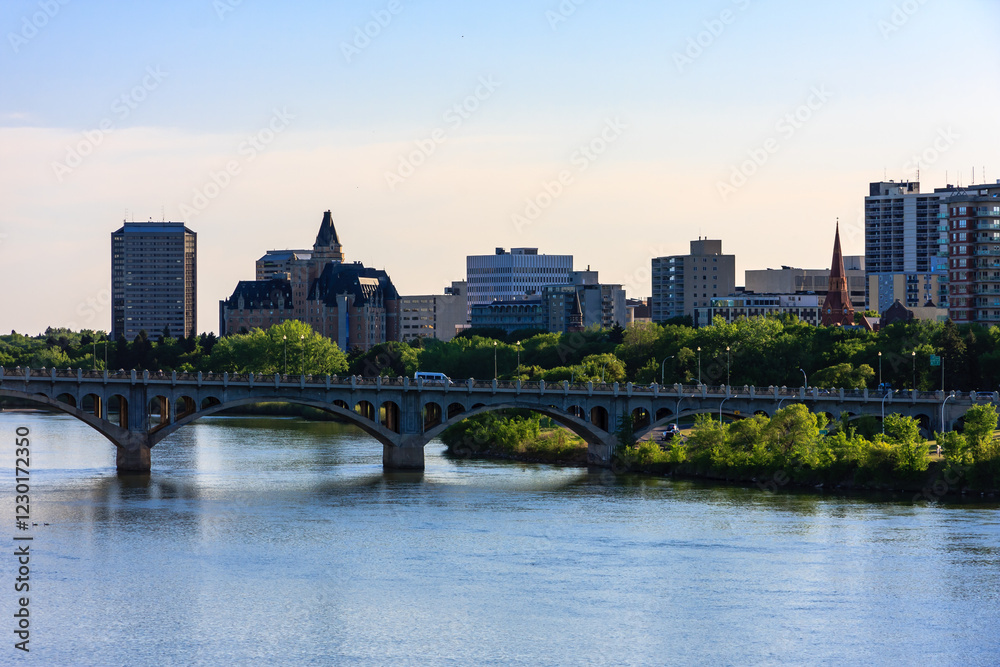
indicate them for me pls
(432, 378)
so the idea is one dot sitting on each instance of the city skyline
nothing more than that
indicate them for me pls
(433, 136)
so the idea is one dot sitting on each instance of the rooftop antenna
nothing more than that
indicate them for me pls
(163, 212)
(918, 172)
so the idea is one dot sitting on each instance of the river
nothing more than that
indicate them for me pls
(266, 540)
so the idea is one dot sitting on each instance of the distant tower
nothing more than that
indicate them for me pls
(327, 246)
(837, 308)
(575, 315)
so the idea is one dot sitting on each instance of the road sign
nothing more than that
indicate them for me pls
(935, 360)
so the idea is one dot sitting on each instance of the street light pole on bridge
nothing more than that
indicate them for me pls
(887, 395)
(663, 366)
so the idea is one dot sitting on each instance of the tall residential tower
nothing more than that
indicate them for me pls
(154, 283)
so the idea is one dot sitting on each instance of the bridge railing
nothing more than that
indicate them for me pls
(500, 385)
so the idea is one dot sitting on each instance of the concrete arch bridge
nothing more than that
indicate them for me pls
(135, 410)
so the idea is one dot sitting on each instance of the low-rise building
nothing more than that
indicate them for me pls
(439, 316)
(806, 307)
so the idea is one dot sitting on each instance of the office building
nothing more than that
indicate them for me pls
(601, 305)
(154, 281)
(515, 275)
(791, 280)
(356, 306)
(682, 283)
(278, 263)
(972, 224)
(439, 316)
(806, 307)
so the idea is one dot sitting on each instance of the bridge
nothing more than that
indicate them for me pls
(135, 410)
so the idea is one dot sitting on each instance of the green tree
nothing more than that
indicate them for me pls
(265, 352)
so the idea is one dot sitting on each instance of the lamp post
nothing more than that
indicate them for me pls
(494, 360)
(699, 365)
(913, 355)
(662, 366)
(518, 358)
(284, 345)
(105, 353)
(727, 370)
(887, 395)
(880, 369)
(942, 409)
(302, 352)
(721, 404)
(805, 379)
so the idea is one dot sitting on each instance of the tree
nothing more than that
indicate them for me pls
(980, 423)
(844, 375)
(266, 352)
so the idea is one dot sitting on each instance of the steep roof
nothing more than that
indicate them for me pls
(261, 294)
(327, 235)
(368, 286)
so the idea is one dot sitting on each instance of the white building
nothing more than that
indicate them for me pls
(518, 274)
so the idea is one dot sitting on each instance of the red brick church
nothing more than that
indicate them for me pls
(837, 308)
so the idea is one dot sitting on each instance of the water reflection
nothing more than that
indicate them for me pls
(252, 534)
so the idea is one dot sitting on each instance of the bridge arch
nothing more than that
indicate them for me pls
(90, 420)
(67, 398)
(117, 405)
(586, 430)
(370, 426)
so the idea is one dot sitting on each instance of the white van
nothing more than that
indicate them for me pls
(439, 378)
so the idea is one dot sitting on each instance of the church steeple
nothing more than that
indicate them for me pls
(575, 315)
(327, 246)
(837, 307)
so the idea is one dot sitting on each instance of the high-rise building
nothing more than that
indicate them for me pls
(154, 283)
(972, 222)
(354, 305)
(905, 245)
(518, 274)
(682, 283)
(439, 316)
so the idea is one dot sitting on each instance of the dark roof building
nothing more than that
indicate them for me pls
(355, 305)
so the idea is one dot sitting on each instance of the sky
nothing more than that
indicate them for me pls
(612, 131)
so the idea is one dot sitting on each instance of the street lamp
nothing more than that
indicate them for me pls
(913, 355)
(880, 369)
(284, 346)
(302, 352)
(805, 380)
(518, 358)
(942, 409)
(662, 366)
(494, 360)
(887, 395)
(727, 370)
(721, 404)
(699, 365)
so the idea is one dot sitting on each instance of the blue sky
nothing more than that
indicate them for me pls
(161, 97)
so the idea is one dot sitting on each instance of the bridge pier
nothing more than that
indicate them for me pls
(133, 454)
(402, 458)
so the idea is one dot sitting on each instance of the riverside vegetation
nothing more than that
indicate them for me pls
(796, 447)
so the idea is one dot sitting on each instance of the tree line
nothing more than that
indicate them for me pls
(758, 351)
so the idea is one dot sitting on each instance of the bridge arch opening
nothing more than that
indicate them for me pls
(209, 402)
(455, 409)
(342, 404)
(389, 416)
(158, 410)
(577, 412)
(599, 417)
(68, 399)
(365, 409)
(118, 411)
(183, 406)
(92, 405)
(432, 415)
(640, 418)
(663, 413)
